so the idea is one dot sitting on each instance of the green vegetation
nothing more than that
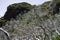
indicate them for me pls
(2, 22)
(16, 9)
(56, 38)
(44, 6)
(19, 6)
(57, 1)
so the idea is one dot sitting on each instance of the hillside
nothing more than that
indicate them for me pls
(24, 21)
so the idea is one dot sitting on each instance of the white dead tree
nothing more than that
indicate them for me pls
(4, 35)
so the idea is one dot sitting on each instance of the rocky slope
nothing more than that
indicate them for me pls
(35, 24)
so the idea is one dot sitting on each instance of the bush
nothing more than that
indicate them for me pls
(16, 9)
(2, 22)
(56, 38)
(44, 6)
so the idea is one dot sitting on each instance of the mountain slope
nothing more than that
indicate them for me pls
(34, 25)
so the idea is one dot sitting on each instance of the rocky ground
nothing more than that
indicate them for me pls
(36, 24)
